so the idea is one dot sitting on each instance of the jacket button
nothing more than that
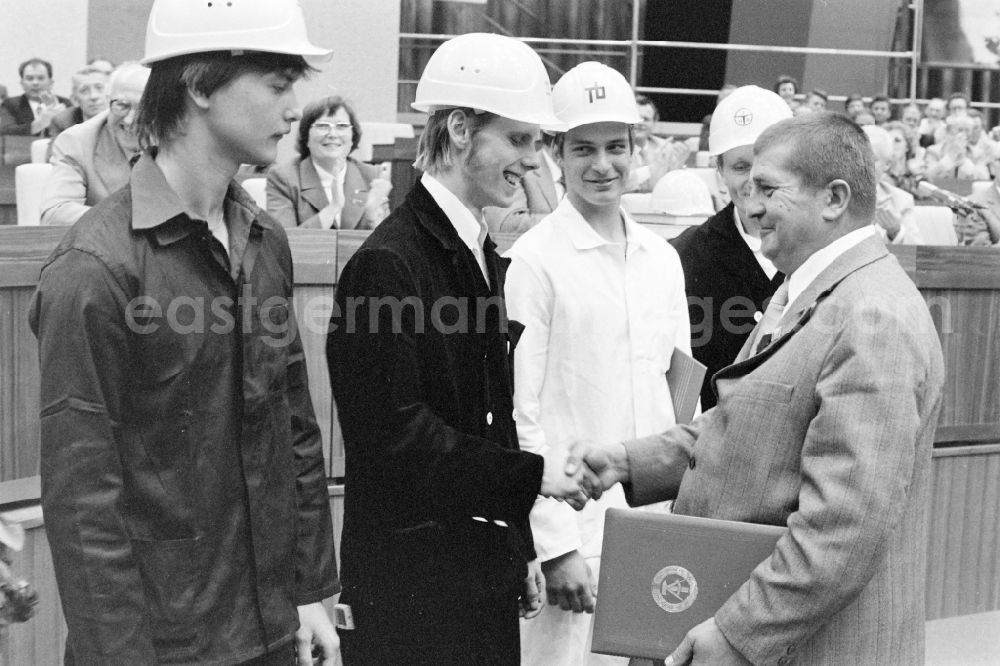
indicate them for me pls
(691, 462)
(489, 418)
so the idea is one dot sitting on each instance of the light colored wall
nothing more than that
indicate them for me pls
(55, 30)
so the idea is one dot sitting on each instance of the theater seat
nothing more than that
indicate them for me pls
(28, 182)
(936, 224)
(257, 188)
(40, 150)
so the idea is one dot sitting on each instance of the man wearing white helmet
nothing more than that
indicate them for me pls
(436, 539)
(728, 279)
(603, 306)
(182, 468)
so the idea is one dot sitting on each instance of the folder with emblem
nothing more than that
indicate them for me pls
(662, 574)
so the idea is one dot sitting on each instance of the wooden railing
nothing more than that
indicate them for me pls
(961, 286)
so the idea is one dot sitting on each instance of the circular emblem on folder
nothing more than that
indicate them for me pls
(674, 589)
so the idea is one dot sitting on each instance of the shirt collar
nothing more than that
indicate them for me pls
(821, 259)
(472, 231)
(585, 237)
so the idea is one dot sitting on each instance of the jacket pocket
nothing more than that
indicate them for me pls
(167, 569)
(763, 390)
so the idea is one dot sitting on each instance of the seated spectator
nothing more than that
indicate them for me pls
(881, 109)
(958, 104)
(325, 188)
(92, 160)
(652, 156)
(90, 97)
(31, 113)
(907, 165)
(787, 88)
(706, 122)
(933, 119)
(982, 144)
(982, 228)
(895, 218)
(953, 156)
(816, 99)
(854, 105)
(540, 193)
(910, 116)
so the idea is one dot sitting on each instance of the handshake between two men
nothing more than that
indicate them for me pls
(586, 471)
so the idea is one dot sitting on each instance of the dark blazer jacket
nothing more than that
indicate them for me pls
(295, 195)
(419, 364)
(725, 287)
(16, 115)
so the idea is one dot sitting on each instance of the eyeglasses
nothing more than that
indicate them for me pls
(122, 106)
(326, 128)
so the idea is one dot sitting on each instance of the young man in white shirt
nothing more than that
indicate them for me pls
(603, 307)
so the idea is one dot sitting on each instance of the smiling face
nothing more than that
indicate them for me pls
(788, 212)
(787, 91)
(501, 152)
(734, 168)
(595, 160)
(911, 117)
(125, 95)
(330, 138)
(248, 116)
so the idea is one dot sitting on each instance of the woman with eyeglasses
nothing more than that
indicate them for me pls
(325, 188)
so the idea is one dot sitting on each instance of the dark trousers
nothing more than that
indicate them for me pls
(486, 635)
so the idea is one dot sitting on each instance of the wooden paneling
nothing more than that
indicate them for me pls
(19, 382)
(963, 567)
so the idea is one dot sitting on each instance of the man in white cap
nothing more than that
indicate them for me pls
(603, 307)
(728, 279)
(436, 539)
(182, 468)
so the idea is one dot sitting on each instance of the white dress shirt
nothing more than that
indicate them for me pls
(329, 180)
(471, 230)
(601, 322)
(820, 260)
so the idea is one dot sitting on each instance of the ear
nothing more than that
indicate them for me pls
(199, 99)
(838, 198)
(459, 130)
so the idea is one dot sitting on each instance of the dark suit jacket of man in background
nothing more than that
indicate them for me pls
(430, 440)
(725, 286)
(16, 116)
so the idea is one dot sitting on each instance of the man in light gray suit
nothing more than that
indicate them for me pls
(824, 423)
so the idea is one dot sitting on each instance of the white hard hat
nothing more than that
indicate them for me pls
(490, 73)
(180, 27)
(742, 116)
(592, 92)
(680, 192)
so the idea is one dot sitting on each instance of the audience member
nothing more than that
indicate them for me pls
(881, 109)
(598, 336)
(439, 491)
(958, 104)
(101, 64)
(824, 426)
(787, 87)
(910, 116)
(816, 99)
(182, 468)
(854, 105)
(32, 113)
(706, 122)
(932, 121)
(539, 193)
(652, 156)
(727, 277)
(92, 160)
(953, 156)
(90, 97)
(895, 218)
(907, 165)
(982, 227)
(982, 144)
(324, 187)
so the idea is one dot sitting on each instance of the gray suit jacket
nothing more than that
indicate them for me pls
(88, 165)
(295, 195)
(828, 431)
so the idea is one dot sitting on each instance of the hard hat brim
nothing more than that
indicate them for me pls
(313, 54)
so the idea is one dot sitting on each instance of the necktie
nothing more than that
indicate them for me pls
(772, 315)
